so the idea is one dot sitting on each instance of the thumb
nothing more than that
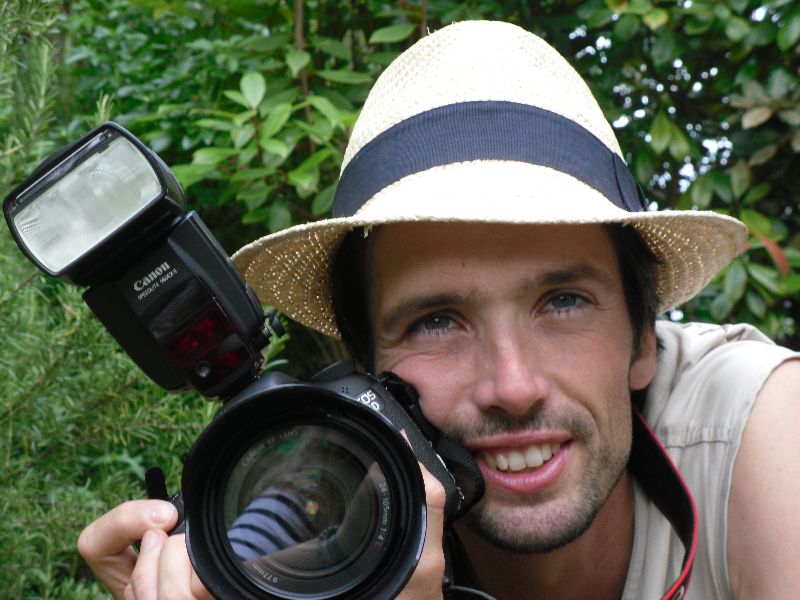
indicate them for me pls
(426, 582)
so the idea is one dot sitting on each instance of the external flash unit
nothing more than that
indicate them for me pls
(106, 212)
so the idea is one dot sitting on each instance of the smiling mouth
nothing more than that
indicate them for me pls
(519, 459)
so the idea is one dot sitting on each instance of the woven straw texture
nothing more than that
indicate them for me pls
(469, 61)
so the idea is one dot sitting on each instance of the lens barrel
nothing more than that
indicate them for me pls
(296, 491)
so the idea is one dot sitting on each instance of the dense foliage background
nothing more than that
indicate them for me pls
(251, 103)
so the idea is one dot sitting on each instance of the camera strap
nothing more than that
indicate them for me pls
(652, 467)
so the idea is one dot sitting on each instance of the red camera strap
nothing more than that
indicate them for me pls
(660, 479)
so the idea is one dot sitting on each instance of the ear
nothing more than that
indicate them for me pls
(643, 367)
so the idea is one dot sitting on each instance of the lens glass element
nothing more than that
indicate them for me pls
(308, 509)
(80, 208)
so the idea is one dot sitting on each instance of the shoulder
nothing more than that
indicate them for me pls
(763, 520)
(707, 378)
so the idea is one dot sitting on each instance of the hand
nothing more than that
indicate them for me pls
(161, 569)
(426, 583)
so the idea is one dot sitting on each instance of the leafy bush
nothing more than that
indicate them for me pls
(252, 103)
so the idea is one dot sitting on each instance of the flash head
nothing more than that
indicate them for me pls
(91, 204)
(106, 213)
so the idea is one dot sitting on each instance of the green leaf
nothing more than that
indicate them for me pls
(679, 146)
(736, 28)
(656, 18)
(780, 83)
(755, 303)
(795, 141)
(756, 116)
(792, 284)
(296, 60)
(250, 174)
(702, 190)
(242, 118)
(259, 215)
(331, 46)
(215, 124)
(755, 91)
(766, 277)
(304, 181)
(253, 194)
(322, 202)
(741, 176)
(756, 221)
(315, 159)
(756, 193)
(279, 217)
(790, 117)
(253, 87)
(190, 174)
(319, 129)
(599, 17)
(763, 155)
(697, 26)
(789, 32)
(626, 27)
(639, 7)
(660, 132)
(273, 146)
(242, 135)
(237, 97)
(391, 34)
(326, 107)
(721, 307)
(275, 120)
(722, 187)
(735, 281)
(212, 155)
(344, 76)
(643, 166)
(663, 50)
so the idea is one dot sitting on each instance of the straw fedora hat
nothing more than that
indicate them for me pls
(482, 122)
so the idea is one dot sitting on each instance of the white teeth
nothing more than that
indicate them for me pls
(516, 460)
(535, 457)
(547, 452)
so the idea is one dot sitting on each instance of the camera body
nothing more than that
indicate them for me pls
(340, 451)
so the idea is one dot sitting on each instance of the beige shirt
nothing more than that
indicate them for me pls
(707, 380)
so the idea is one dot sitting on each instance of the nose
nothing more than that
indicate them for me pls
(511, 379)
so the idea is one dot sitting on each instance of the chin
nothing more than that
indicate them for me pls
(536, 529)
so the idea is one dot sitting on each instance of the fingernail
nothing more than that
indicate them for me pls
(161, 513)
(149, 540)
(128, 593)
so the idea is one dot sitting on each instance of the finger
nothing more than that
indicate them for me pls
(144, 578)
(426, 582)
(105, 544)
(176, 577)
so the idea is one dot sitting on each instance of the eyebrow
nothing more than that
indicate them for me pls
(421, 303)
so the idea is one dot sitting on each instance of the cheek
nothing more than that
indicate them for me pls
(442, 389)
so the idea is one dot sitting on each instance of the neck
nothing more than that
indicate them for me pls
(593, 566)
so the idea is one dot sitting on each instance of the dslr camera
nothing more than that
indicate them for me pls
(295, 489)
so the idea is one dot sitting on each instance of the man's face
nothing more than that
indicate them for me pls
(519, 343)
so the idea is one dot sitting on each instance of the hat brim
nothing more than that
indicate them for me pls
(290, 270)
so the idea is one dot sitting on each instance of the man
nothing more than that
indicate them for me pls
(491, 248)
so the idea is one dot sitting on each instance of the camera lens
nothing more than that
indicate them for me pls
(296, 492)
(307, 505)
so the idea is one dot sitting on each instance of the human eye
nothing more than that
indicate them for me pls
(434, 324)
(563, 303)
